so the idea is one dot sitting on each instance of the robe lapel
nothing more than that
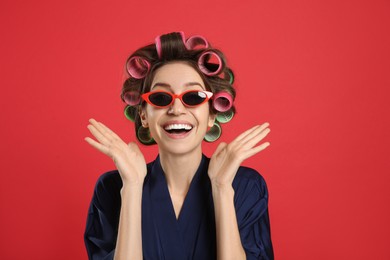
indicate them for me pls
(179, 237)
(194, 208)
(164, 215)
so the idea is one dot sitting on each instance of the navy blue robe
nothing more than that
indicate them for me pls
(193, 234)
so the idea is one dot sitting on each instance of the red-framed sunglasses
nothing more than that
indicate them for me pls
(163, 99)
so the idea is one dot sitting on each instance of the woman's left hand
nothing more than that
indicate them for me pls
(227, 158)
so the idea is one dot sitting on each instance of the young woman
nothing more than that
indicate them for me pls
(182, 205)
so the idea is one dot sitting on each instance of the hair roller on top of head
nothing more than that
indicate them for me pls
(196, 41)
(158, 46)
(164, 50)
(137, 67)
(210, 69)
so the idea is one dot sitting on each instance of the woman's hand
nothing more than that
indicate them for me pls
(128, 159)
(227, 158)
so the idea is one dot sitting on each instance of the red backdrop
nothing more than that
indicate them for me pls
(318, 71)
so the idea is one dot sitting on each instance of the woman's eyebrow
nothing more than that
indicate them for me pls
(189, 84)
(160, 84)
(166, 85)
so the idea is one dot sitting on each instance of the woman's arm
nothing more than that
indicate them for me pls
(228, 237)
(132, 169)
(129, 241)
(222, 169)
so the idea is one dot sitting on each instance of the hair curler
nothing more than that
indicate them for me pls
(132, 98)
(158, 43)
(206, 69)
(144, 136)
(196, 41)
(130, 112)
(225, 117)
(214, 133)
(230, 76)
(137, 67)
(222, 101)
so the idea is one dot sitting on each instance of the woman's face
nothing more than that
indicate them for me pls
(177, 129)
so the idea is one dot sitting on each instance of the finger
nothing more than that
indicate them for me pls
(97, 134)
(255, 150)
(104, 127)
(105, 131)
(220, 147)
(96, 124)
(109, 131)
(97, 145)
(254, 138)
(255, 132)
(251, 132)
(264, 126)
(244, 134)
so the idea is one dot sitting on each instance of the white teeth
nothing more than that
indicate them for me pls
(178, 126)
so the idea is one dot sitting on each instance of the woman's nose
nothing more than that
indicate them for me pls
(177, 107)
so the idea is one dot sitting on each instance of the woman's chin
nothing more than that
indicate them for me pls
(179, 147)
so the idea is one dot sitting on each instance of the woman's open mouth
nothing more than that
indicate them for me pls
(178, 130)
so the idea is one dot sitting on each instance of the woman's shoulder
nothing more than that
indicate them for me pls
(249, 180)
(248, 174)
(106, 194)
(110, 179)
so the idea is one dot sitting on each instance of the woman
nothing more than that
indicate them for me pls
(183, 205)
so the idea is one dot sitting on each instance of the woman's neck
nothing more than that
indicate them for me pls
(180, 169)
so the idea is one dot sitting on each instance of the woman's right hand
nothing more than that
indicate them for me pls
(128, 158)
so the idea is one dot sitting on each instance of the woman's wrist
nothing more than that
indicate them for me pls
(224, 190)
(131, 189)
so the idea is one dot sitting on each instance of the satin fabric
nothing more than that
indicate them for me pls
(192, 235)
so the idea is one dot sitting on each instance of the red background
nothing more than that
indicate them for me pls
(318, 71)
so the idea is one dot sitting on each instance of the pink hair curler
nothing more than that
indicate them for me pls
(222, 101)
(196, 41)
(183, 38)
(158, 43)
(158, 46)
(132, 98)
(138, 67)
(203, 68)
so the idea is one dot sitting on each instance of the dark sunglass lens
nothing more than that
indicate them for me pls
(160, 99)
(194, 98)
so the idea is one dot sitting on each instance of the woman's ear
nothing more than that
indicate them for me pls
(144, 117)
(211, 119)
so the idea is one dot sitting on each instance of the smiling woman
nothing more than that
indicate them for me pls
(180, 79)
(182, 205)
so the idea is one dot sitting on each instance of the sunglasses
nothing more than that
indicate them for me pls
(163, 99)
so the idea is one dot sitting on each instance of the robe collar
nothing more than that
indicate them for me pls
(178, 236)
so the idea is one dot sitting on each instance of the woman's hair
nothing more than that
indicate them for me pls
(210, 63)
